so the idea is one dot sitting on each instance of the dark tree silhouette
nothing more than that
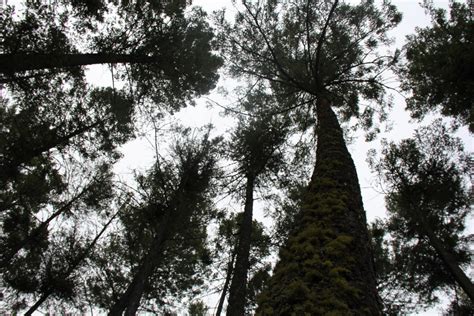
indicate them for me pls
(428, 203)
(439, 66)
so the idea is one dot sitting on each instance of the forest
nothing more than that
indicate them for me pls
(260, 213)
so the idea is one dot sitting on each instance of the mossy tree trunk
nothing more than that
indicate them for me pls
(326, 266)
(238, 287)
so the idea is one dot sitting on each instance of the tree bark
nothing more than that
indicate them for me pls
(238, 287)
(12, 63)
(326, 266)
(448, 260)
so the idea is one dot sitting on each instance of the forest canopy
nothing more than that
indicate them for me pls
(160, 157)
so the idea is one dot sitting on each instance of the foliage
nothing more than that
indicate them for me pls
(440, 67)
(198, 308)
(43, 249)
(305, 50)
(37, 30)
(425, 180)
(168, 52)
(178, 188)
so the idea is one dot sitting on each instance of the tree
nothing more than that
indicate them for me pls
(53, 118)
(255, 147)
(428, 203)
(41, 139)
(168, 52)
(440, 67)
(178, 193)
(227, 241)
(319, 54)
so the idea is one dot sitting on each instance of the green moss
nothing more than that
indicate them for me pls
(339, 245)
(338, 271)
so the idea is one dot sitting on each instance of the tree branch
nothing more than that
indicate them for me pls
(322, 38)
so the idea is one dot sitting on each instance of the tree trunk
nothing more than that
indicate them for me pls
(130, 299)
(326, 266)
(238, 287)
(12, 63)
(230, 270)
(38, 303)
(448, 260)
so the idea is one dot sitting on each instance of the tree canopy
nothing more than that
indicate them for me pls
(428, 204)
(110, 204)
(439, 68)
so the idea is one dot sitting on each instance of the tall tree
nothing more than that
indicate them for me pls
(227, 241)
(177, 192)
(320, 54)
(428, 203)
(255, 147)
(440, 68)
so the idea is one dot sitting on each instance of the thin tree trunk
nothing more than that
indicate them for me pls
(130, 299)
(238, 287)
(72, 268)
(448, 260)
(326, 266)
(12, 63)
(38, 303)
(230, 270)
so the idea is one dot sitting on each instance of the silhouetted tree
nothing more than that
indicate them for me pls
(440, 67)
(428, 203)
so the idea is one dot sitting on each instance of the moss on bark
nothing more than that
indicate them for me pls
(326, 267)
